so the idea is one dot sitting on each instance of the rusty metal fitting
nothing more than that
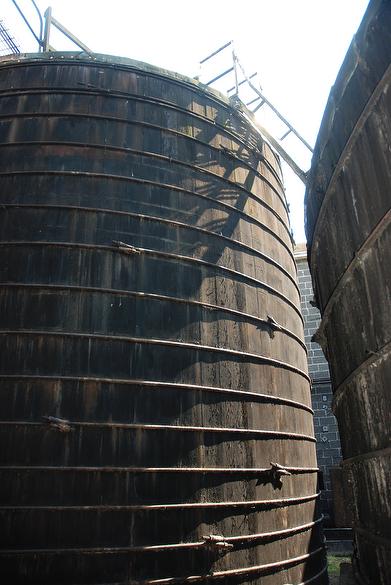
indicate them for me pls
(60, 424)
(278, 471)
(216, 542)
(128, 247)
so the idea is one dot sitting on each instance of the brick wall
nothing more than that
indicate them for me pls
(326, 429)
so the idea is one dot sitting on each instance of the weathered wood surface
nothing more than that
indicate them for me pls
(152, 358)
(348, 209)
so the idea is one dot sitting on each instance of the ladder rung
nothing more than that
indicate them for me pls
(220, 76)
(286, 134)
(258, 106)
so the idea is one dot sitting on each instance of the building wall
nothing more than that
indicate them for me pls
(326, 429)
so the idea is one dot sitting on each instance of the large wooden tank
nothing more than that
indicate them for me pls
(349, 232)
(152, 357)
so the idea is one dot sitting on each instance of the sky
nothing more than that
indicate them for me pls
(296, 46)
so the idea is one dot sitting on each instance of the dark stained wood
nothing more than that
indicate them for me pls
(349, 230)
(152, 363)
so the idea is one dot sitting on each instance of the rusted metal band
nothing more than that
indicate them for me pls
(254, 396)
(151, 218)
(365, 365)
(137, 180)
(376, 233)
(153, 296)
(167, 159)
(168, 255)
(275, 535)
(386, 452)
(198, 470)
(346, 151)
(373, 538)
(162, 343)
(171, 428)
(144, 124)
(312, 579)
(278, 503)
(160, 103)
(279, 565)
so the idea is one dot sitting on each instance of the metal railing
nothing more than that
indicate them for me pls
(258, 101)
(45, 26)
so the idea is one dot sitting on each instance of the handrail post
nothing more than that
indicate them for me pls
(46, 34)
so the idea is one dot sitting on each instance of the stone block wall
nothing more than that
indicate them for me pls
(326, 429)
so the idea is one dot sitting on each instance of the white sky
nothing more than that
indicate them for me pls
(296, 46)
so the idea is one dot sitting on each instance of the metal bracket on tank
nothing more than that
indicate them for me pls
(273, 475)
(274, 326)
(60, 424)
(127, 247)
(51, 21)
(278, 470)
(216, 543)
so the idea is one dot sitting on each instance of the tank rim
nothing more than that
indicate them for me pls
(114, 61)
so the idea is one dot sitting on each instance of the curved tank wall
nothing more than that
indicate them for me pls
(152, 357)
(349, 232)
